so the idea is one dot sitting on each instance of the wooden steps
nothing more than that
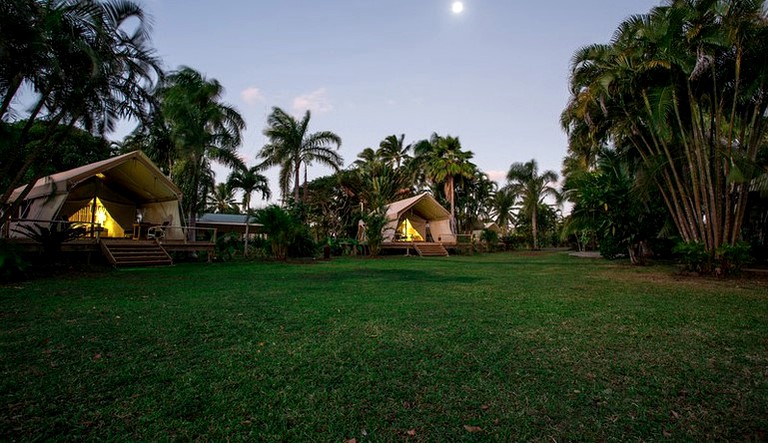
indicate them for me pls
(130, 253)
(430, 250)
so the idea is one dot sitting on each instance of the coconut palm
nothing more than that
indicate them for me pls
(683, 90)
(393, 151)
(86, 62)
(203, 130)
(292, 146)
(503, 209)
(368, 160)
(531, 188)
(474, 197)
(222, 199)
(249, 181)
(442, 161)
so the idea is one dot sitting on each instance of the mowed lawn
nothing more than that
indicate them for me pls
(502, 347)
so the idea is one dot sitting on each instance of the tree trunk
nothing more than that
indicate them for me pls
(296, 184)
(13, 87)
(192, 234)
(6, 170)
(20, 175)
(535, 229)
(247, 224)
(448, 189)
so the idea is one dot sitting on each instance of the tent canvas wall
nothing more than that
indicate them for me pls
(491, 226)
(110, 193)
(407, 220)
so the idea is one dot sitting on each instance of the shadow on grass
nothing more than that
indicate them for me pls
(390, 276)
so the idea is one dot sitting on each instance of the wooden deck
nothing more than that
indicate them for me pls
(93, 245)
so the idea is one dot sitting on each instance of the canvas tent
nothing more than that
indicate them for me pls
(112, 194)
(491, 226)
(419, 218)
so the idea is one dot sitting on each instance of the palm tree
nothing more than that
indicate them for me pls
(368, 160)
(683, 90)
(202, 128)
(524, 181)
(503, 209)
(443, 161)
(222, 199)
(249, 181)
(86, 62)
(474, 197)
(393, 151)
(291, 146)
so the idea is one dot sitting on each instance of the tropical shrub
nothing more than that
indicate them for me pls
(693, 256)
(612, 247)
(228, 246)
(303, 244)
(490, 238)
(286, 234)
(514, 241)
(51, 237)
(728, 259)
(375, 221)
(12, 264)
(731, 258)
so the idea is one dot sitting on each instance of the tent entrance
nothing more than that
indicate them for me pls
(406, 232)
(94, 213)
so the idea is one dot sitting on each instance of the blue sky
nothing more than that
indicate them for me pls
(495, 75)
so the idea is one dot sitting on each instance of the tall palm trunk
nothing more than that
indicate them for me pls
(535, 228)
(12, 89)
(448, 189)
(21, 144)
(296, 183)
(28, 164)
(192, 224)
(247, 225)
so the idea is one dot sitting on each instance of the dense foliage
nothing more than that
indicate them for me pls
(87, 64)
(682, 93)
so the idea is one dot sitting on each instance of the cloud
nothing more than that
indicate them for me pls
(316, 101)
(497, 176)
(252, 95)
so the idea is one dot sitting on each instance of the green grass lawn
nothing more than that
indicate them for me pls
(503, 347)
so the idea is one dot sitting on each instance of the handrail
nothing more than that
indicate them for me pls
(185, 233)
(92, 228)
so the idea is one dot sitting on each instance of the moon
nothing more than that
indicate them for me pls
(457, 7)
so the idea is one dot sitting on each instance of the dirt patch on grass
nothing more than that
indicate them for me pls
(672, 277)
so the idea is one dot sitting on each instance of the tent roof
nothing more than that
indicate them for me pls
(133, 172)
(424, 204)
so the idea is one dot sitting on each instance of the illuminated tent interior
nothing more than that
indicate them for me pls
(406, 231)
(109, 195)
(407, 220)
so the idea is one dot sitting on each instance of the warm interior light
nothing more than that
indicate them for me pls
(408, 232)
(100, 216)
(101, 213)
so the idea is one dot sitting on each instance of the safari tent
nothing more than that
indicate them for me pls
(490, 226)
(114, 196)
(418, 219)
